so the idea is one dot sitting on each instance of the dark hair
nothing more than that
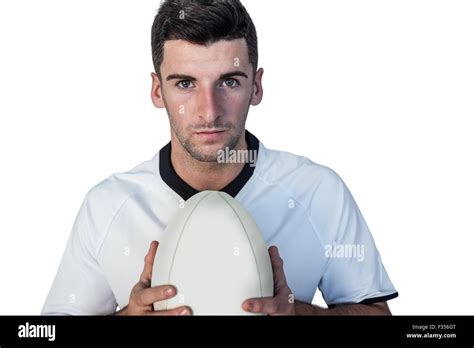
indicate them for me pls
(202, 22)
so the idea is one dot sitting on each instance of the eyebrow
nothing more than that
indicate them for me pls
(192, 78)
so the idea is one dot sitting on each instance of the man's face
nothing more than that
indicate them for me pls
(207, 92)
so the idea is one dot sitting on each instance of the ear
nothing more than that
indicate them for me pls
(156, 91)
(258, 89)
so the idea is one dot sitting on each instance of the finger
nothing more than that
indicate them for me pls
(268, 305)
(148, 267)
(183, 310)
(279, 278)
(148, 296)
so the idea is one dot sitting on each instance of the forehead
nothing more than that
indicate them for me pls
(184, 57)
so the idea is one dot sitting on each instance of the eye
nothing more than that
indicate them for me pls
(231, 83)
(184, 84)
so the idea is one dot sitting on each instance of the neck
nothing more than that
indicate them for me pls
(205, 175)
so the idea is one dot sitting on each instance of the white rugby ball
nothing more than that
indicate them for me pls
(213, 252)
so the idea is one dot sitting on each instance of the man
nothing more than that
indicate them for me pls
(205, 57)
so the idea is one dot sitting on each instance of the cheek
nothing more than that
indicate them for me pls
(235, 103)
(180, 103)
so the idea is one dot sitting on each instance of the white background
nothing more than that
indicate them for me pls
(380, 91)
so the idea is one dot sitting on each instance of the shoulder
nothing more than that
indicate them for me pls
(117, 187)
(318, 189)
(300, 175)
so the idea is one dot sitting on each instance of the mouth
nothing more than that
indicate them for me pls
(215, 130)
(211, 134)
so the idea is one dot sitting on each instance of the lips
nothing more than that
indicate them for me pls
(212, 131)
(211, 135)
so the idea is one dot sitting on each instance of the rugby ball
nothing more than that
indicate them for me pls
(213, 252)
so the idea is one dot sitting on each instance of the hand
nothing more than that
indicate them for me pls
(143, 296)
(282, 303)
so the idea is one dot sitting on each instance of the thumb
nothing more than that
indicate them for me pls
(279, 277)
(148, 267)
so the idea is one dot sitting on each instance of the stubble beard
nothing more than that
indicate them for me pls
(196, 151)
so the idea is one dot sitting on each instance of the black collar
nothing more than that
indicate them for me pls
(183, 189)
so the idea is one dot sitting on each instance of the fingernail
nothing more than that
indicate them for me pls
(250, 305)
(169, 291)
(184, 311)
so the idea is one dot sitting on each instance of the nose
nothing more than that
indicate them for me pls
(208, 105)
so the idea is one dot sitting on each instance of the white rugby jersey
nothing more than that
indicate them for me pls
(303, 208)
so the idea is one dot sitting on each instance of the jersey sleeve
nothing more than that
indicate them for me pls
(80, 287)
(354, 270)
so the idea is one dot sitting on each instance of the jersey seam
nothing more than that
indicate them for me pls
(298, 201)
(115, 214)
